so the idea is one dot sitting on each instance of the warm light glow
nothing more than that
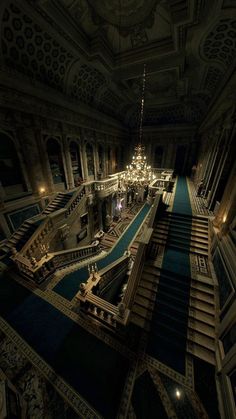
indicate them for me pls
(178, 393)
(224, 218)
(42, 189)
(138, 172)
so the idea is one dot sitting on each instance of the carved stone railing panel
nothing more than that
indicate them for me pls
(38, 271)
(48, 228)
(74, 201)
(106, 187)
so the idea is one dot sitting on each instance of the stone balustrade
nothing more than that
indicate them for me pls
(74, 201)
(38, 271)
(105, 187)
(95, 305)
(66, 257)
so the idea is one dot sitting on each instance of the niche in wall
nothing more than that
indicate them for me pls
(90, 162)
(76, 163)
(11, 176)
(55, 161)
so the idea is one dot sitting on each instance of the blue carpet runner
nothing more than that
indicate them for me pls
(168, 335)
(69, 285)
(93, 369)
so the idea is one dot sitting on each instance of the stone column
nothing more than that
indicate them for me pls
(224, 151)
(68, 165)
(84, 161)
(31, 154)
(101, 227)
(45, 162)
(227, 208)
(96, 160)
(212, 161)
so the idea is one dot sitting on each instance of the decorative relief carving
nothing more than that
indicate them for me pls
(86, 83)
(220, 43)
(31, 50)
(213, 77)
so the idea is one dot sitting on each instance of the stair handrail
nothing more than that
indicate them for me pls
(39, 234)
(85, 299)
(51, 262)
(73, 202)
(49, 223)
(136, 271)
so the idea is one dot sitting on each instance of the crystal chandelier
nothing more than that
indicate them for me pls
(138, 173)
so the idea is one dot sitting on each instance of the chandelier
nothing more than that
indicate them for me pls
(138, 173)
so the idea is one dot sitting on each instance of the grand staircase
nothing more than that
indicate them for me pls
(175, 230)
(57, 203)
(21, 236)
(178, 310)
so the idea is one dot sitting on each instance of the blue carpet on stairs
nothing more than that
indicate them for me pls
(69, 285)
(93, 369)
(168, 335)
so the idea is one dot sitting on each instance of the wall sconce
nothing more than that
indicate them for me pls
(42, 190)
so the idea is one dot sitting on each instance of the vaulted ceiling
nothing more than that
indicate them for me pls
(93, 51)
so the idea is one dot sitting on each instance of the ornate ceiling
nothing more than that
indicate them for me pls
(93, 52)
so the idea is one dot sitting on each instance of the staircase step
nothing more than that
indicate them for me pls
(201, 352)
(151, 295)
(144, 302)
(196, 229)
(183, 242)
(199, 295)
(142, 312)
(185, 249)
(200, 286)
(164, 231)
(202, 306)
(202, 316)
(202, 340)
(183, 217)
(202, 328)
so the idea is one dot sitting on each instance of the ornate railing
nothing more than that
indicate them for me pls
(96, 306)
(105, 187)
(67, 257)
(48, 228)
(41, 270)
(73, 203)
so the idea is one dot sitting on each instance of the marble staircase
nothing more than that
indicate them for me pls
(177, 288)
